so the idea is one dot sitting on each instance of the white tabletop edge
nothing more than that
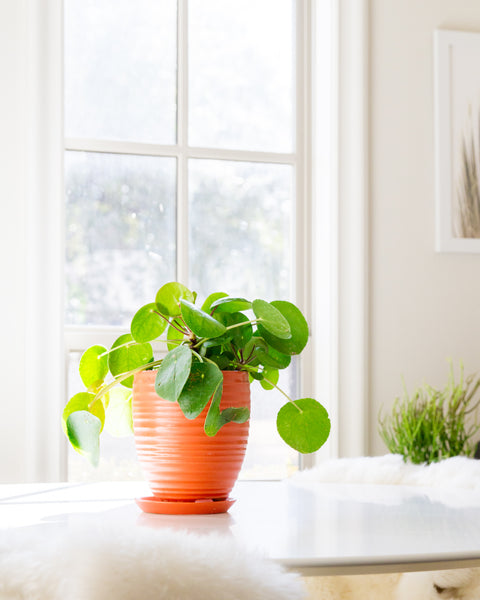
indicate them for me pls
(357, 567)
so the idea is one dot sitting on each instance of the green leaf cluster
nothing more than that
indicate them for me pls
(433, 424)
(224, 333)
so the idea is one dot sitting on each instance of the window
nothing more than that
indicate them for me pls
(185, 158)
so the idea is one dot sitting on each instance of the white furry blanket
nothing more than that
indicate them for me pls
(455, 472)
(133, 564)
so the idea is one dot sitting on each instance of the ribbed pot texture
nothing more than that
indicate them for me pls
(179, 460)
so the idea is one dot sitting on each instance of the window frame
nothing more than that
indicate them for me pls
(335, 369)
(78, 338)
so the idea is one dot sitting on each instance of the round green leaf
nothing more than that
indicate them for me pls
(217, 418)
(126, 355)
(83, 401)
(168, 298)
(173, 373)
(93, 367)
(298, 327)
(255, 344)
(199, 388)
(271, 319)
(266, 355)
(118, 416)
(206, 306)
(147, 324)
(201, 323)
(270, 378)
(230, 305)
(83, 430)
(222, 359)
(303, 425)
(221, 340)
(239, 330)
(239, 414)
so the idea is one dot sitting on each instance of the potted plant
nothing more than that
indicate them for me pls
(432, 424)
(213, 351)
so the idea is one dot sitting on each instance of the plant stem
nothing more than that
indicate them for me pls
(243, 323)
(200, 358)
(124, 345)
(255, 370)
(179, 328)
(122, 377)
(236, 325)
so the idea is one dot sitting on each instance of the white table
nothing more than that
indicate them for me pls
(312, 528)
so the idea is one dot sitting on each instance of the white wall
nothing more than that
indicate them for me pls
(12, 243)
(31, 251)
(424, 306)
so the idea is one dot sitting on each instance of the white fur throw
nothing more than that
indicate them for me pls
(455, 472)
(459, 584)
(136, 564)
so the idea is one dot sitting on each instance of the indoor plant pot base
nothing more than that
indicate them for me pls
(153, 505)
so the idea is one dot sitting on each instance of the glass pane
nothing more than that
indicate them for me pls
(241, 228)
(120, 234)
(268, 457)
(120, 70)
(241, 235)
(241, 74)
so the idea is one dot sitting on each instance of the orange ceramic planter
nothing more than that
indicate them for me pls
(188, 471)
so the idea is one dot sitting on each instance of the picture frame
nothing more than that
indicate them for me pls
(457, 141)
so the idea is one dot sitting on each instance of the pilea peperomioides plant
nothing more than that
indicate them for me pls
(226, 333)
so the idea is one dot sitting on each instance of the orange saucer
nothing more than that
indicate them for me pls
(153, 505)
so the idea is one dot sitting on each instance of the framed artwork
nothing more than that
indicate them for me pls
(457, 141)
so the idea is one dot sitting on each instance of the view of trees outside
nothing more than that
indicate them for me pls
(121, 208)
(240, 222)
(120, 234)
(121, 238)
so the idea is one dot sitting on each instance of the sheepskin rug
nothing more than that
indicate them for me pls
(459, 584)
(354, 587)
(139, 564)
(456, 472)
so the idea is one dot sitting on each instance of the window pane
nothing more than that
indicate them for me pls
(120, 69)
(268, 457)
(241, 224)
(120, 234)
(241, 74)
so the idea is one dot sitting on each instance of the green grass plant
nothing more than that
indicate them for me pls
(433, 424)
